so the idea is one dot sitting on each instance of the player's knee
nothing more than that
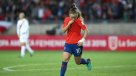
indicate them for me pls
(77, 62)
(22, 43)
(66, 59)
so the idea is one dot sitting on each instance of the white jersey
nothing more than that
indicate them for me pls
(23, 27)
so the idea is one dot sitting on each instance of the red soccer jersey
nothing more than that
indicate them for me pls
(74, 31)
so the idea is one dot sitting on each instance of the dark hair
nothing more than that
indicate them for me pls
(73, 9)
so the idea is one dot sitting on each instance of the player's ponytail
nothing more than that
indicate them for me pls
(73, 8)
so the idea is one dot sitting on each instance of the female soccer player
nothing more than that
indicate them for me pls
(74, 40)
(23, 34)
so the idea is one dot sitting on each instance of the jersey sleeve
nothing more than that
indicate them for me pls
(66, 20)
(81, 24)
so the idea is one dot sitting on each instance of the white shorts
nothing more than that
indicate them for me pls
(23, 38)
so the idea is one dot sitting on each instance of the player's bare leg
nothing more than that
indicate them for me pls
(66, 58)
(29, 49)
(77, 60)
(23, 48)
(87, 62)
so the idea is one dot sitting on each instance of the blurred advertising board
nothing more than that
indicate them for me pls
(92, 43)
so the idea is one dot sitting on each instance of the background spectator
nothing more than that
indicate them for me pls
(52, 10)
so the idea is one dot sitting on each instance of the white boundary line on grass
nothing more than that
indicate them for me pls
(11, 68)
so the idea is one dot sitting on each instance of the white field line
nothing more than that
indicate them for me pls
(11, 68)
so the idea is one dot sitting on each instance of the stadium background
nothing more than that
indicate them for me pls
(111, 25)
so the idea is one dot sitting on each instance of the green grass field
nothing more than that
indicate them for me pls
(47, 63)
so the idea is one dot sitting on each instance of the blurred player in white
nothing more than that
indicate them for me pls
(23, 34)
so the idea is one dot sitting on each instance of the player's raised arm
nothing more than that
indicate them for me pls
(73, 15)
(67, 25)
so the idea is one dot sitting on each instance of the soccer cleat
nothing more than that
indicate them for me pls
(31, 54)
(89, 64)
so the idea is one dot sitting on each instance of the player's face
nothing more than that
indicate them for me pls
(21, 15)
(73, 15)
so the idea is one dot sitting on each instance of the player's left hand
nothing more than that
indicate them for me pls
(80, 42)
